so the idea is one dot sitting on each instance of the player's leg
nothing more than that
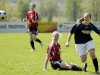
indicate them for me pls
(94, 59)
(31, 40)
(38, 40)
(90, 47)
(71, 66)
(81, 51)
(64, 65)
(35, 38)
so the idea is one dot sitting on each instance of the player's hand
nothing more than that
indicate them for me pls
(33, 21)
(24, 19)
(67, 44)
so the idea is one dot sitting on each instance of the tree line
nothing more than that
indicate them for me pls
(49, 10)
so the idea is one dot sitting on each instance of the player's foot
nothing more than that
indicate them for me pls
(98, 72)
(58, 69)
(41, 44)
(84, 67)
(32, 50)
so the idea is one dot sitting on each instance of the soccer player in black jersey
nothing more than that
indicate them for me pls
(83, 39)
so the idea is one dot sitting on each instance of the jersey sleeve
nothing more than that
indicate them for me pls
(95, 29)
(37, 16)
(49, 49)
(75, 28)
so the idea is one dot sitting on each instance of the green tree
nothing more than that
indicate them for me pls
(72, 9)
(48, 8)
(23, 8)
(92, 6)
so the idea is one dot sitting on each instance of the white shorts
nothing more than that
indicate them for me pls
(81, 48)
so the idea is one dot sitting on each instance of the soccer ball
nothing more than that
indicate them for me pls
(2, 15)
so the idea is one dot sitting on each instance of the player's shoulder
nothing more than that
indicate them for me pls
(51, 44)
(58, 44)
(29, 12)
(91, 23)
(35, 11)
(78, 24)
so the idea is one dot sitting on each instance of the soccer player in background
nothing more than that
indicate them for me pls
(53, 55)
(33, 18)
(83, 39)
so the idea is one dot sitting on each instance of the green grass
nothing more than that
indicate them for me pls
(17, 59)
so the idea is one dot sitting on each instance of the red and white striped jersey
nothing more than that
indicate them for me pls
(54, 51)
(32, 16)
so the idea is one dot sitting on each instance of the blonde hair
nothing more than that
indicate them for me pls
(56, 32)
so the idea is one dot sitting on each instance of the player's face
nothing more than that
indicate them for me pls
(56, 37)
(32, 6)
(86, 17)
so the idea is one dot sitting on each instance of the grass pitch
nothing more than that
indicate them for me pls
(17, 59)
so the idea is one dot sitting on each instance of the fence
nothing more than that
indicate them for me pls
(44, 27)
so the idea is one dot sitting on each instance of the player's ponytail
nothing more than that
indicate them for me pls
(80, 20)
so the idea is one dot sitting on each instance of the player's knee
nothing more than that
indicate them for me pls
(92, 54)
(31, 38)
(83, 60)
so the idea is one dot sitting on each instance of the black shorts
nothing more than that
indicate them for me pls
(34, 30)
(56, 65)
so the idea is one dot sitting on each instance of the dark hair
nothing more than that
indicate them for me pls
(33, 4)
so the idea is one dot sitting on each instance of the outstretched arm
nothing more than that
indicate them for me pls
(96, 29)
(46, 61)
(68, 40)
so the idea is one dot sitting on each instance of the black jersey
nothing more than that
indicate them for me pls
(82, 32)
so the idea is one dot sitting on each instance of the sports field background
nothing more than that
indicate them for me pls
(17, 59)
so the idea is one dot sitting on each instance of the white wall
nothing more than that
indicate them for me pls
(12, 27)
(8, 27)
(66, 27)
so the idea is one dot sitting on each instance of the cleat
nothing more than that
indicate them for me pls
(58, 69)
(32, 50)
(84, 67)
(41, 44)
(98, 72)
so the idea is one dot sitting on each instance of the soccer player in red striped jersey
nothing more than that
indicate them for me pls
(53, 55)
(33, 18)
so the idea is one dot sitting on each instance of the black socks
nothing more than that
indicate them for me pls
(76, 68)
(37, 40)
(32, 44)
(95, 63)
